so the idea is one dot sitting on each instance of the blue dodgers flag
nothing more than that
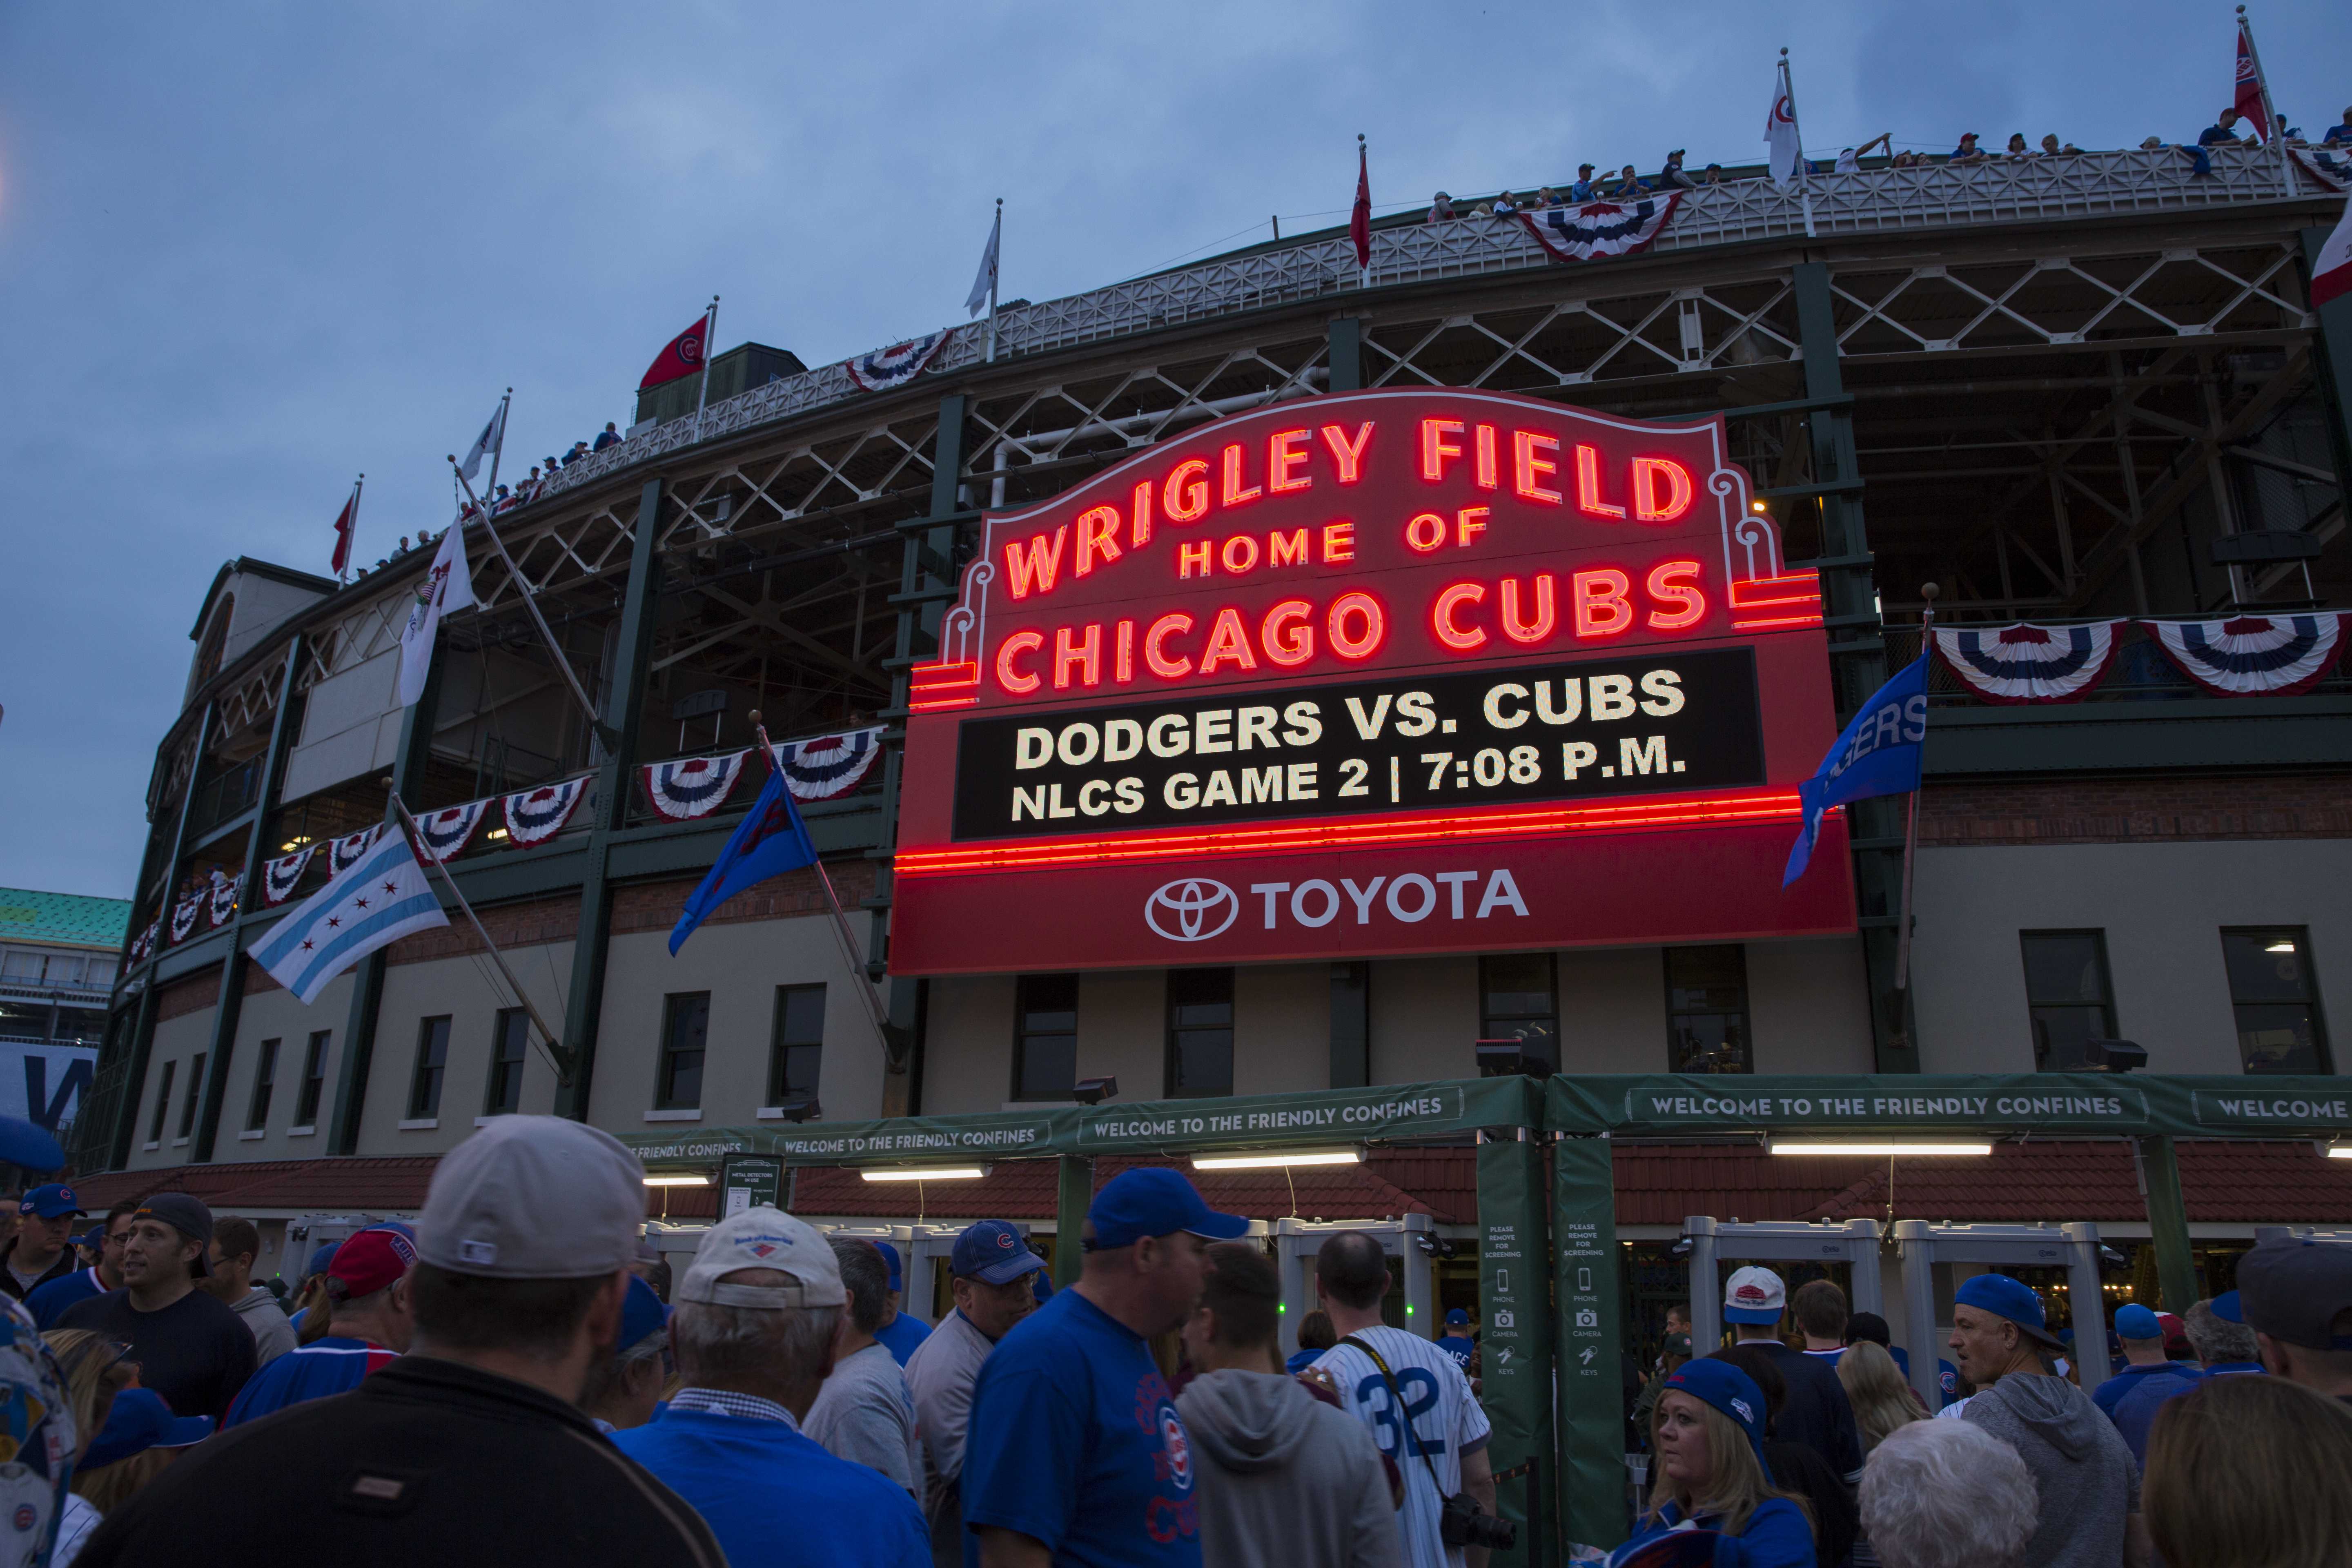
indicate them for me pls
(770, 842)
(1878, 753)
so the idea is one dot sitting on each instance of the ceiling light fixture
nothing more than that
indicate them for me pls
(678, 1181)
(927, 1173)
(1272, 1161)
(1875, 1146)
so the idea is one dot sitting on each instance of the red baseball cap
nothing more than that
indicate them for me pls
(2176, 1333)
(368, 1261)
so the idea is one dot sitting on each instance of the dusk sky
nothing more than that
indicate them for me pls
(248, 251)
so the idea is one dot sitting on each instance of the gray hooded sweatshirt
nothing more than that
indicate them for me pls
(1285, 1480)
(2082, 1467)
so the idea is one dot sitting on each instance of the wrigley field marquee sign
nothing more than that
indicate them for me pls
(1390, 671)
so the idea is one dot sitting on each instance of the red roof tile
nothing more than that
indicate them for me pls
(328, 1185)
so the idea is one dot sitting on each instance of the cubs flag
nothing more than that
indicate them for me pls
(382, 897)
(984, 285)
(1783, 158)
(2250, 100)
(1877, 754)
(681, 356)
(768, 843)
(1599, 229)
(2331, 270)
(447, 586)
(347, 523)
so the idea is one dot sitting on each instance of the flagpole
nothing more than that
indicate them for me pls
(840, 919)
(530, 599)
(416, 837)
(2270, 109)
(1911, 823)
(1804, 186)
(996, 270)
(709, 336)
(1364, 174)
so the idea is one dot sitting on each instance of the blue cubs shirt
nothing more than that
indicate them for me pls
(1075, 1441)
(776, 1499)
(48, 1304)
(329, 1366)
(901, 1334)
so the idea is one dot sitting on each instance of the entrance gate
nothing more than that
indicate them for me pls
(1296, 1241)
(1712, 1242)
(2074, 1246)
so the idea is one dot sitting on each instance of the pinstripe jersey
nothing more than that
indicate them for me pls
(1444, 1418)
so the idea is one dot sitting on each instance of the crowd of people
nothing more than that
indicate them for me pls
(503, 498)
(1969, 152)
(519, 1376)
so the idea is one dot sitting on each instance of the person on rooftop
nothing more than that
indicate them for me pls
(1849, 160)
(1906, 159)
(2223, 132)
(1582, 190)
(1505, 205)
(2340, 133)
(2018, 151)
(1713, 175)
(2052, 148)
(1968, 152)
(1628, 184)
(1441, 208)
(1671, 177)
(608, 437)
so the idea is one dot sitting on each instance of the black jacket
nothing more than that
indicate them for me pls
(65, 1264)
(427, 1463)
(1817, 1412)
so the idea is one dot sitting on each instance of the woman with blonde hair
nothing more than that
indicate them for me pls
(1873, 1386)
(2249, 1472)
(95, 1372)
(1707, 1436)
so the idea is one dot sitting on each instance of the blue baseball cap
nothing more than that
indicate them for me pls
(1458, 1318)
(1153, 1200)
(993, 1252)
(2228, 1308)
(642, 1314)
(2134, 1321)
(49, 1202)
(139, 1421)
(1726, 1388)
(890, 1256)
(321, 1256)
(2012, 1299)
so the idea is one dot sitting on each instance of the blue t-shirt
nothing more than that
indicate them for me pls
(901, 1335)
(2135, 1413)
(1777, 1536)
(331, 1365)
(774, 1499)
(2108, 1395)
(1458, 1346)
(1301, 1360)
(48, 1304)
(1075, 1441)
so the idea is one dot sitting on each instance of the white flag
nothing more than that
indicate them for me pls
(378, 900)
(447, 586)
(985, 284)
(493, 438)
(1782, 157)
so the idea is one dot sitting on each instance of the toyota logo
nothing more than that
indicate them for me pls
(1192, 910)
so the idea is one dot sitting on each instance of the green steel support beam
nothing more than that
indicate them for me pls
(1514, 1242)
(1586, 1337)
(1347, 355)
(2167, 1224)
(621, 714)
(367, 975)
(1850, 599)
(142, 1035)
(231, 1001)
(1074, 1194)
(2333, 359)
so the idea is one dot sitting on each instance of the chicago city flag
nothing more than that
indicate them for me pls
(376, 901)
(447, 586)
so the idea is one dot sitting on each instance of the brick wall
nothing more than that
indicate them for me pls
(195, 995)
(531, 924)
(654, 906)
(2135, 810)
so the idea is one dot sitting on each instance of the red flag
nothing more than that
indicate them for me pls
(1359, 221)
(682, 356)
(2250, 84)
(2331, 270)
(346, 523)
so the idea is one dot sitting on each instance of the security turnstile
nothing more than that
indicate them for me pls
(2298, 1233)
(1712, 1241)
(306, 1233)
(1296, 1241)
(2074, 1246)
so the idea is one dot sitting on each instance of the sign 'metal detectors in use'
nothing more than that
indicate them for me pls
(1371, 673)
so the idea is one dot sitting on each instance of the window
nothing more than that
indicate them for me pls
(1044, 1036)
(1707, 1009)
(1200, 1032)
(509, 1039)
(1518, 999)
(188, 1099)
(82, 1025)
(798, 1044)
(162, 1102)
(432, 1066)
(2067, 993)
(102, 972)
(2271, 990)
(314, 1080)
(257, 1114)
(22, 965)
(686, 1036)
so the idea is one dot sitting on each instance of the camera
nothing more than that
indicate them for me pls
(1462, 1522)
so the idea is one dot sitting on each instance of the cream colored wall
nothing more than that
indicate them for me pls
(740, 965)
(176, 1039)
(1425, 1019)
(1122, 1031)
(469, 991)
(277, 1015)
(1809, 1007)
(967, 1043)
(1282, 1029)
(1612, 1010)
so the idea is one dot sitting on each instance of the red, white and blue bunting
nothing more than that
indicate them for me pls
(898, 364)
(183, 916)
(144, 944)
(2330, 166)
(444, 833)
(224, 895)
(1599, 229)
(2028, 663)
(536, 815)
(829, 766)
(280, 876)
(694, 787)
(344, 853)
(2254, 655)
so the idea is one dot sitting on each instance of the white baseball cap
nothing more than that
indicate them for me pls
(534, 1198)
(1754, 1296)
(763, 1237)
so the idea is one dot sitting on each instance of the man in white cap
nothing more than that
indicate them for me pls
(471, 1447)
(758, 1314)
(1817, 1412)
